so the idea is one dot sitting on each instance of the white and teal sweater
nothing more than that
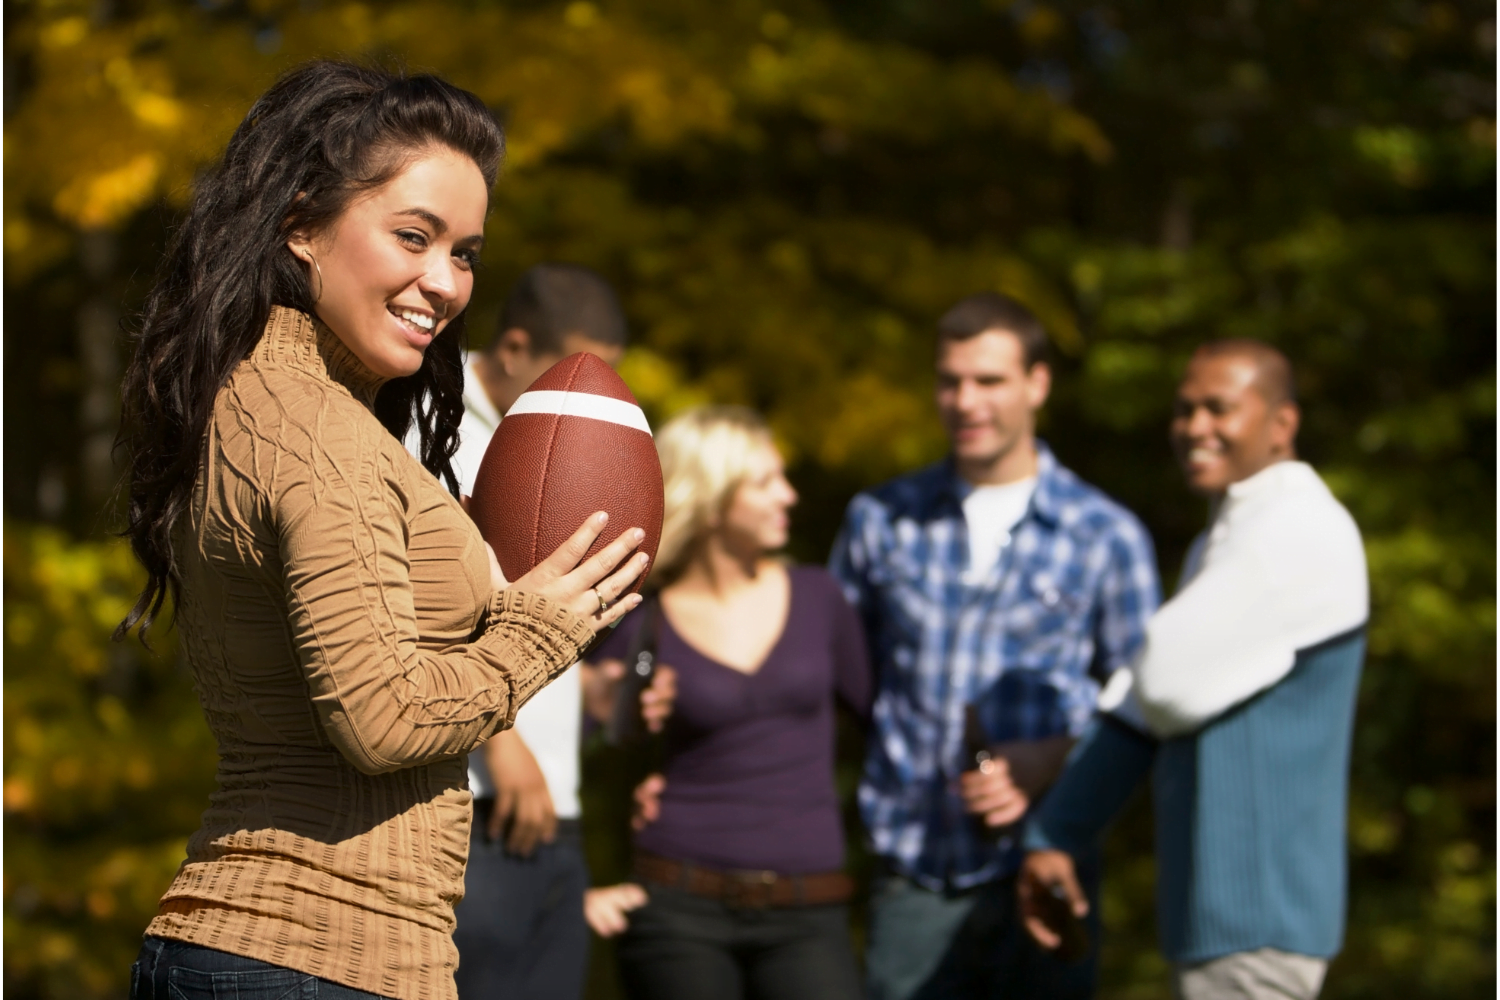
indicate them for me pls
(1241, 706)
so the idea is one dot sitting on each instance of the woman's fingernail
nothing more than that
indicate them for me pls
(602, 516)
(637, 534)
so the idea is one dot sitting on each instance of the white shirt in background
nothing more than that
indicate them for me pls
(481, 419)
(550, 723)
(990, 513)
(1280, 568)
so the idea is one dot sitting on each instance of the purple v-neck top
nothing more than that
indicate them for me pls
(749, 757)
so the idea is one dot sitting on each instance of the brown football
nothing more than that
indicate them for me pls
(575, 442)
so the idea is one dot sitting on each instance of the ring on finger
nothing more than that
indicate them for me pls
(603, 604)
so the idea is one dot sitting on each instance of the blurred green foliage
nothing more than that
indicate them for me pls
(108, 764)
(787, 194)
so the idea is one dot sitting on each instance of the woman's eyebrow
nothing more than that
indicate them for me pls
(431, 218)
(439, 226)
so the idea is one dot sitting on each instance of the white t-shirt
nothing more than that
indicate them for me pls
(550, 723)
(990, 513)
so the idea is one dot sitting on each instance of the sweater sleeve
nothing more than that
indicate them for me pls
(385, 702)
(1287, 579)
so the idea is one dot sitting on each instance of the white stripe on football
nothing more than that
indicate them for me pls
(580, 404)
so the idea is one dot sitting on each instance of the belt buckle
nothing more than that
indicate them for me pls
(749, 889)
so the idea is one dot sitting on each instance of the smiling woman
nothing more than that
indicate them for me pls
(742, 857)
(398, 265)
(346, 630)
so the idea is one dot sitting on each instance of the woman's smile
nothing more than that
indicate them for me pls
(419, 326)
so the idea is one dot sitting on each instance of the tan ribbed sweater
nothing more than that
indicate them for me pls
(330, 590)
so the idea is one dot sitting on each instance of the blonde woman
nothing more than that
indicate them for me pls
(743, 859)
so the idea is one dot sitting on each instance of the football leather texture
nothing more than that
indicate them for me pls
(575, 442)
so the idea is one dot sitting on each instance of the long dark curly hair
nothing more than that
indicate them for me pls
(321, 135)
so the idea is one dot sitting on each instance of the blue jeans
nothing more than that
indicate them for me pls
(521, 933)
(176, 970)
(968, 945)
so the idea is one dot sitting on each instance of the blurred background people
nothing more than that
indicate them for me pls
(996, 579)
(521, 930)
(1241, 705)
(743, 860)
(345, 629)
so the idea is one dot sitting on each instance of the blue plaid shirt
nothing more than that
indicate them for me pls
(1064, 607)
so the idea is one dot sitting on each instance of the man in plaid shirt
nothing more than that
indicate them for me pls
(997, 589)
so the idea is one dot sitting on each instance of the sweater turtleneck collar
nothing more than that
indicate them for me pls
(297, 340)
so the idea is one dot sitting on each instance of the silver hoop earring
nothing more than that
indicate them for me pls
(318, 297)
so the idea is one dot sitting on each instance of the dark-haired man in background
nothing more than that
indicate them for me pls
(1241, 706)
(996, 579)
(521, 931)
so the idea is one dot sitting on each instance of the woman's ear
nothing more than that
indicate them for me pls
(301, 246)
(300, 241)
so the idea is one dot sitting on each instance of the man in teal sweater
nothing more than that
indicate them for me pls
(1240, 705)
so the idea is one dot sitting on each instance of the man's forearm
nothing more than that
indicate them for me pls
(496, 748)
(1110, 763)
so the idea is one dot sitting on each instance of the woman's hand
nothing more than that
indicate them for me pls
(577, 587)
(647, 800)
(657, 700)
(601, 689)
(582, 586)
(605, 908)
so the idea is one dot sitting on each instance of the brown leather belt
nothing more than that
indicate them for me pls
(745, 889)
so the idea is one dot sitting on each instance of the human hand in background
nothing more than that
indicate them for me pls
(647, 797)
(657, 700)
(1051, 899)
(1003, 787)
(601, 686)
(991, 791)
(605, 907)
(521, 795)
